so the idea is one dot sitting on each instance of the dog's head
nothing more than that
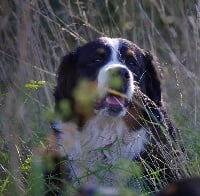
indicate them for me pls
(117, 68)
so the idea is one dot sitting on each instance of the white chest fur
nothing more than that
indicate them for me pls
(104, 141)
(111, 140)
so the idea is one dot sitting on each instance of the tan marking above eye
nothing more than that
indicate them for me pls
(101, 51)
(130, 52)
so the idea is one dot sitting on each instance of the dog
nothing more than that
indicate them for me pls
(109, 101)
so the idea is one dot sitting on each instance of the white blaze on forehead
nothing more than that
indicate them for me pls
(114, 44)
(114, 62)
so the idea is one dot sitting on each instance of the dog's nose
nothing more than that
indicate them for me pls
(118, 78)
(124, 73)
(115, 77)
(120, 73)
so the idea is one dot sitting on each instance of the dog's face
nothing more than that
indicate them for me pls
(117, 67)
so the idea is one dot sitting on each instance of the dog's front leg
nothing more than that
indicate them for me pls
(61, 141)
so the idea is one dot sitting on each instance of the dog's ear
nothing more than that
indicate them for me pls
(65, 79)
(153, 78)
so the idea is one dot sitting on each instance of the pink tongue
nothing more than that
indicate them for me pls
(112, 100)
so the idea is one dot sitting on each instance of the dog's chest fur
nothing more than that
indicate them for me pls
(105, 141)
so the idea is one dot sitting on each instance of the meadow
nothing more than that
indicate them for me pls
(34, 35)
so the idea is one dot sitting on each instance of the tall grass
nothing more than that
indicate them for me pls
(34, 35)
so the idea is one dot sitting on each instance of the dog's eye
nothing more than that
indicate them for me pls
(131, 62)
(97, 60)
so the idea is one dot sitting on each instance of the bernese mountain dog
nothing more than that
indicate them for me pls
(108, 97)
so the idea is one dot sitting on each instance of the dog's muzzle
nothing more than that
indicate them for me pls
(116, 88)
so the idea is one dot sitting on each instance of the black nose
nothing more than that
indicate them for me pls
(124, 73)
(121, 73)
(119, 79)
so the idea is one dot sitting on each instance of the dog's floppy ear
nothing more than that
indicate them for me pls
(65, 79)
(153, 79)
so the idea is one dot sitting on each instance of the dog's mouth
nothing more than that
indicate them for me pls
(112, 104)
